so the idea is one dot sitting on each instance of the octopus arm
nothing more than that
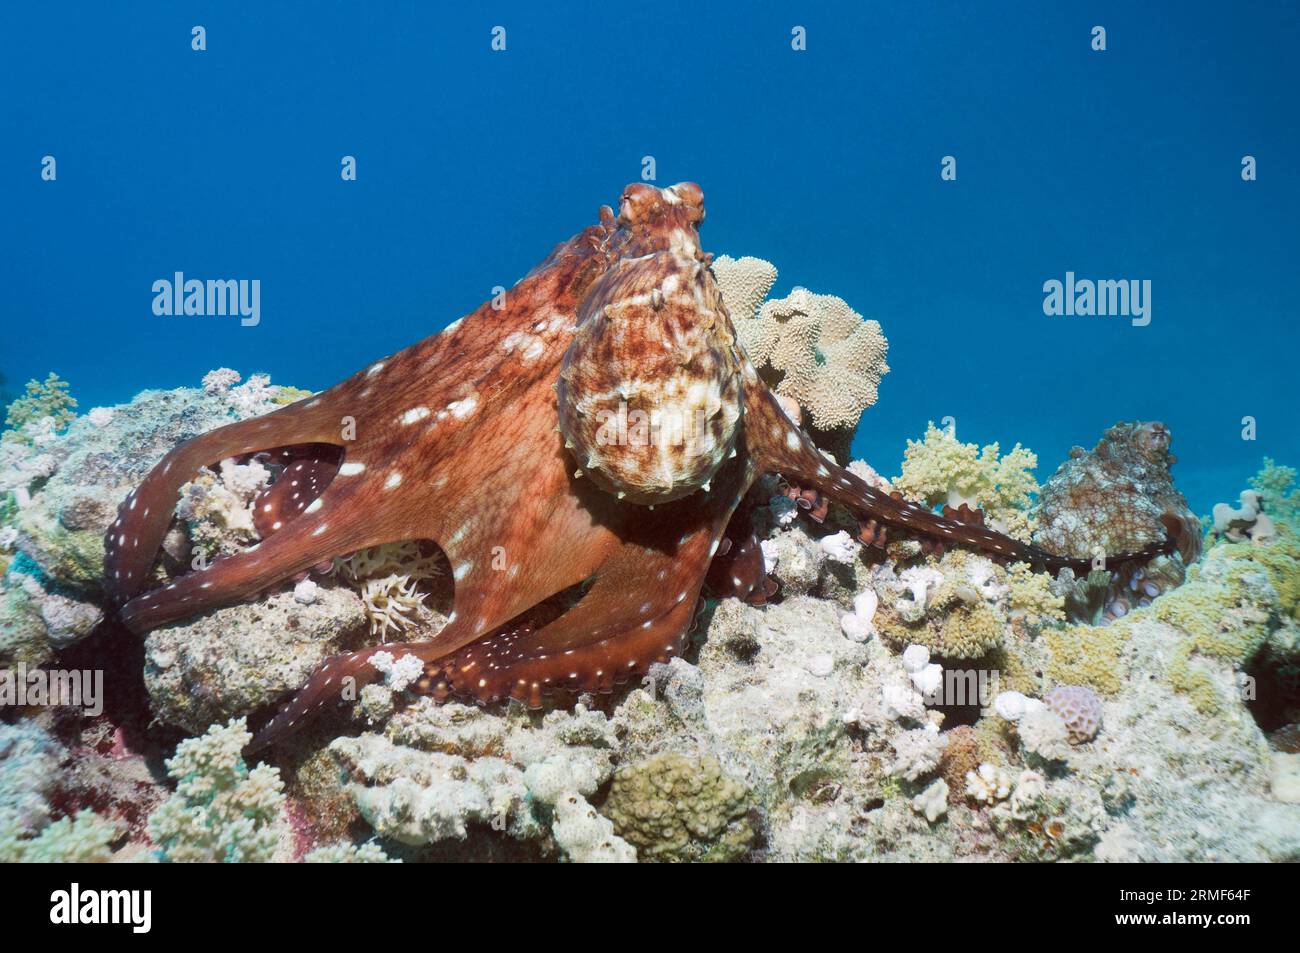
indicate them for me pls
(779, 446)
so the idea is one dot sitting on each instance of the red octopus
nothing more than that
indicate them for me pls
(595, 433)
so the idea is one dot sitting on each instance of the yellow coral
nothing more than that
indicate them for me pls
(1084, 655)
(1222, 621)
(1031, 595)
(1192, 680)
(939, 469)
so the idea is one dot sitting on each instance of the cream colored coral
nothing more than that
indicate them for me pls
(744, 283)
(387, 578)
(219, 507)
(989, 784)
(813, 348)
(940, 469)
(830, 358)
(1032, 597)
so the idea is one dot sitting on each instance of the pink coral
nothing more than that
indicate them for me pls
(1079, 708)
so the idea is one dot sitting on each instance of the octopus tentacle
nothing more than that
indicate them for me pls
(781, 447)
(341, 526)
(146, 514)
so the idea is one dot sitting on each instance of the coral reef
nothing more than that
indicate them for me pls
(818, 726)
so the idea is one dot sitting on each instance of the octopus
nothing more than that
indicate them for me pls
(1119, 496)
(582, 450)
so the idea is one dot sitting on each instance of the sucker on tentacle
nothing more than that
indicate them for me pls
(530, 444)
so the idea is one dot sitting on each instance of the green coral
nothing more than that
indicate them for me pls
(939, 469)
(1088, 656)
(48, 398)
(75, 557)
(1276, 484)
(673, 807)
(221, 811)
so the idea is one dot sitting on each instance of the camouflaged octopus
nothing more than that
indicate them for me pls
(596, 436)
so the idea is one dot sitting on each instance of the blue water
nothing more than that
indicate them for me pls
(472, 164)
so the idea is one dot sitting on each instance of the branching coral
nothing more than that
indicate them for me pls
(84, 838)
(221, 811)
(940, 470)
(44, 399)
(1276, 485)
(344, 853)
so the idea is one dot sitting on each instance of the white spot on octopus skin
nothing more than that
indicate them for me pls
(348, 469)
(415, 415)
(320, 529)
(463, 408)
(393, 480)
(375, 368)
(313, 506)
